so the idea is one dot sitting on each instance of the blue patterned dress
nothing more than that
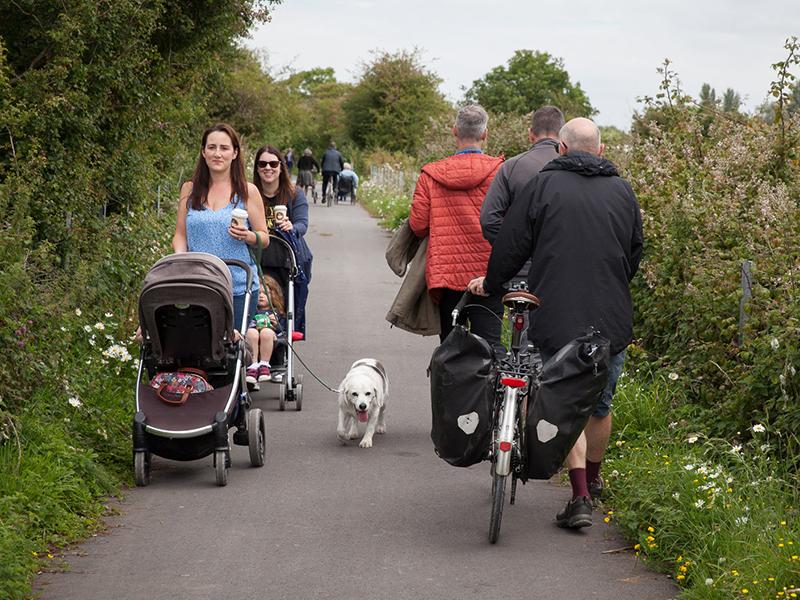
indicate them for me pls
(207, 231)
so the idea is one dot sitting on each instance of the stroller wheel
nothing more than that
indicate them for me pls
(141, 468)
(298, 392)
(221, 467)
(282, 398)
(256, 434)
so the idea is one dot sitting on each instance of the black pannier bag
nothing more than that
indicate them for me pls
(462, 381)
(570, 386)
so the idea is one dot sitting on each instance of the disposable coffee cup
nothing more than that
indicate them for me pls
(280, 211)
(239, 217)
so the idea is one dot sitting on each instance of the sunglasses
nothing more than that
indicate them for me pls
(272, 164)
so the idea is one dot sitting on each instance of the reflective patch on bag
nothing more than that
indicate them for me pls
(468, 423)
(545, 431)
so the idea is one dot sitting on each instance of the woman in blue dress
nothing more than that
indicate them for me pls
(274, 184)
(218, 185)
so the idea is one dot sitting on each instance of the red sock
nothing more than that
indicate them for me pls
(592, 471)
(577, 477)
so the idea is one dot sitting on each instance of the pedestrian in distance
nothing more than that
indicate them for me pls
(307, 165)
(289, 157)
(348, 183)
(273, 182)
(332, 164)
(580, 225)
(205, 210)
(446, 208)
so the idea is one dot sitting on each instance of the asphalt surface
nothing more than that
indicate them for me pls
(323, 520)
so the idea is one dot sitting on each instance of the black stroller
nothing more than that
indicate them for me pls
(186, 316)
(279, 261)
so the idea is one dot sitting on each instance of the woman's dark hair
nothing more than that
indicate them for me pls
(201, 179)
(285, 193)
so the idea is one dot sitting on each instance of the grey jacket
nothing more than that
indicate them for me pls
(413, 309)
(515, 173)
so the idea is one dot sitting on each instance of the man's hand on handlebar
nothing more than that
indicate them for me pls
(476, 286)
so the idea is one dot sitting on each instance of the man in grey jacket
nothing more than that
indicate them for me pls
(332, 164)
(516, 172)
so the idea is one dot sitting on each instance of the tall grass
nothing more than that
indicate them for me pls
(721, 516)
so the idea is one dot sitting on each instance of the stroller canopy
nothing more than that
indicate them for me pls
(183, 281)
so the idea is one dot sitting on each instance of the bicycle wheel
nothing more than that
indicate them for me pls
(498, 499)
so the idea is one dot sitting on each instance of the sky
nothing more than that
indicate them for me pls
(611, 48)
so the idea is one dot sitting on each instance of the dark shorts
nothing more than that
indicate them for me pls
(238, 310)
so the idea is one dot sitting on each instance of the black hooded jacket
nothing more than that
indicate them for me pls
(579, 223)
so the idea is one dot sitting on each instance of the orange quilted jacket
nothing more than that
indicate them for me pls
(446, 207)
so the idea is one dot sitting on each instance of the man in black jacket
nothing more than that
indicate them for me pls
(580, 225)
(332, 164)
(517, 171)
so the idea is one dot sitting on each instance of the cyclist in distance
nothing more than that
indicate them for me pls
(332, 164)
(580, 224)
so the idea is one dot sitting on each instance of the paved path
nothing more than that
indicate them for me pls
(321, 520)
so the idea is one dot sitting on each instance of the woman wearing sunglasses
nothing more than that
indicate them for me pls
(271, 177)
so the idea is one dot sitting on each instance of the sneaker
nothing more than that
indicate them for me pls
(576, 514)
(251, 375)
(277, 378)
(596, 488)
(263, 373)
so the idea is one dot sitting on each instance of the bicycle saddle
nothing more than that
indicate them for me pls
(515, 296)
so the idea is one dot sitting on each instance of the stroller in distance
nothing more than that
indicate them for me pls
(186, 316)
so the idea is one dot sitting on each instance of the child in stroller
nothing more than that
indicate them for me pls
(264, 330)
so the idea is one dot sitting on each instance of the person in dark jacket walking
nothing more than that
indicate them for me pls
(306, 167)
(332, 165)
(580, 224)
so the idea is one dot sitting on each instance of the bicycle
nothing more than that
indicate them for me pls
(517, 376)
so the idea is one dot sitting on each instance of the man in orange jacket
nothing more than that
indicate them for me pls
(446, 207)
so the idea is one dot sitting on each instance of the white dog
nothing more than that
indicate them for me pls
(362, 399)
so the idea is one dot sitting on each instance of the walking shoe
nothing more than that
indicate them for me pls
(576, 514)
(277, 378)
(596, 488)
(263, 373)
(251, 375)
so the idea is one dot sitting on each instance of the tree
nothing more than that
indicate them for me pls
(531, 79)
(731, 101)
(708, 96)
(394, 102)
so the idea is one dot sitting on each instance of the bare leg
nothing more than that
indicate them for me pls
(576, 459)
(598, 432)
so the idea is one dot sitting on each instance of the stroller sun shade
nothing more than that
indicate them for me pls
(186, 307)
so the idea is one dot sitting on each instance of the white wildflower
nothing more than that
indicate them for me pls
(700, 503)
(99, 326)
(614, 473)
(108, 315)
(676, 495)
(759, 428)
(673, 425)
(702, 469)
(692, 439)
(741, 520)
(774, 343)
(689, 467)
(78, 312)
(87, 329)
(709, 581)
(673, 376)
(119, 352)
(92, 341)
(736, 449)
(74, 401)
(63, 328)
(764, 447)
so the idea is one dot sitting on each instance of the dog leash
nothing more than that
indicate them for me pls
(314, 375)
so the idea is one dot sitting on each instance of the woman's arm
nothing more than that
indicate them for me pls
(255, 212)
(300, 213)
(179, 241)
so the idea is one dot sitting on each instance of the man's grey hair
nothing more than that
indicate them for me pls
(471, 122)
(547, 121)
(581, 134)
